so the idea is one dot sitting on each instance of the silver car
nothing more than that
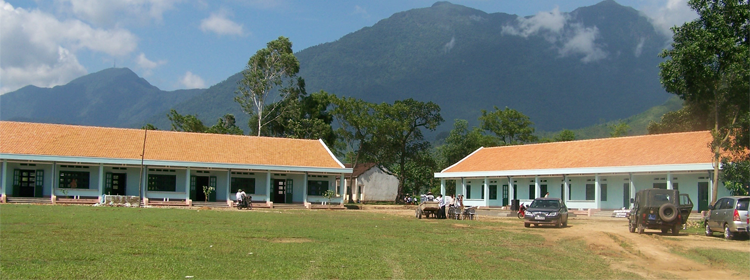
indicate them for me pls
(728, 214)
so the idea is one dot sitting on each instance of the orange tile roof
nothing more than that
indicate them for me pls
(660, 149)
(120, 143)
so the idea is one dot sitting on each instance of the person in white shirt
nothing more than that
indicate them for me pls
(441, 207)
(240, 195)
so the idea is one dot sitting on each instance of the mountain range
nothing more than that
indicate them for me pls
(564, 70)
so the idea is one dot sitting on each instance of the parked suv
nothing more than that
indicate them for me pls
(662, 209)
(730, 215)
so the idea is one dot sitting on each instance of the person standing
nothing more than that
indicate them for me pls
(441, 207)
(240, 195)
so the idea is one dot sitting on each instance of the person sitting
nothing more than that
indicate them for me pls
(430, 197)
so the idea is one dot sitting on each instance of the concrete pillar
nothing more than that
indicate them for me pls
(511, 191)
(101, 182)
(4, 183)
(304, 189)
(55, 180)
(355, 189)
(486, 190)
(442, 187)
(710, 187)
(632, 187)
(463, 187)
(268, 187)
(597, 192)
(229, 186)
(669, 180)
(566, 188)
(343, 187)
(187, 184)
(537, 191)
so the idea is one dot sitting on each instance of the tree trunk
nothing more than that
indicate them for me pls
(717, 152)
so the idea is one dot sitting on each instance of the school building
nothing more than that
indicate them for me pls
(587, 174)
(84, 162)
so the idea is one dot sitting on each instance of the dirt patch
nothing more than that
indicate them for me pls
(204, 208)
(650, 255)
(291, 240)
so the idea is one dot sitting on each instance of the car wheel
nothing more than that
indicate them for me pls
(631, 227)
(727, 233)
(526, 224)
(565, 223)
(709, 232)
(676, 229)
(559, 223)
(641, 228)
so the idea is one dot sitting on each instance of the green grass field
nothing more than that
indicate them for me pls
(53, 242)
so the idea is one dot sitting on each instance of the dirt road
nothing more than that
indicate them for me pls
(650, 255)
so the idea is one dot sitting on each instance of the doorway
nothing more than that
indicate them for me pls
(27, 182)
(702, 196)
(118, 183)
(626, 195)
(279, 191)
(200, 181)
(505, 195)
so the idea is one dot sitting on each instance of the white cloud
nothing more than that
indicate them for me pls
(361, 12)
(449, 46)
(147, 64)
(113, 12)
(552, 21)
(665, 14)
(583, 42)
(37, 48)
(191, 80)
(639, 47)
(569, 38)
(220, 24)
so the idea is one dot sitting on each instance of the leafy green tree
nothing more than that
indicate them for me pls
(186, 123)
(690, 117)
(149, 126)
(398, 137)
(708, 65)
(272, 68)
(355, 119)
(565, 135)
(511, 126)
(618, 129)
(225, 125)
(461, 142)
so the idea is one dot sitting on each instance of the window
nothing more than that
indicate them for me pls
(590, 191)
(662, 186)
(493, 191)
(742, 204)
(675, 186)
(162, 183)
(468, 191)
(74, 180)
(246, 184)
(604, 192)
(317, 187)
(481, 191)
(532, 191)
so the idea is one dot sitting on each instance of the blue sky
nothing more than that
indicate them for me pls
(178, 44)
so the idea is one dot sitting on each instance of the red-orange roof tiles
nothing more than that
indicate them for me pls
(659, 149)
(120, 143)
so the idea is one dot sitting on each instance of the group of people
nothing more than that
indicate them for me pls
(450, 201)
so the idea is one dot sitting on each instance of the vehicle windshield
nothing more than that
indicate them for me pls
(550, 204)
(742, 204)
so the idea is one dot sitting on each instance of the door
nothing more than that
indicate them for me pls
(542, 190)
(39, 186)
(212, 183)
(702, 196)
(27, 183)
(289, 188)
(515, 192)
(117, 183)
(562, 192)
(505, 195)
(279, 191)
(200, 181)
(626, 195)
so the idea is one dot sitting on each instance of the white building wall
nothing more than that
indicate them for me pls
(377, 185)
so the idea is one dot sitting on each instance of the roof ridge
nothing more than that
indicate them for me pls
(601, 139)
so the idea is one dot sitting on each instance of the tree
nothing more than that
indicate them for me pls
(272, 68)
(690, 117)
(186, 123)
(225, 125)
(708, 65)
(149, 126)
(618, 129)
(511, 126)
(461, 142)
(398, 139)
(565, 135)
(355, 119)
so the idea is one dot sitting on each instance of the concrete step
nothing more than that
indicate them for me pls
(29, 200)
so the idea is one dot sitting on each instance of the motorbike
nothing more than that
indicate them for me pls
(521, 211)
